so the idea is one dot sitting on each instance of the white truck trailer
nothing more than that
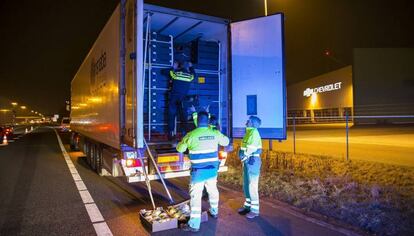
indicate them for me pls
(119, 96)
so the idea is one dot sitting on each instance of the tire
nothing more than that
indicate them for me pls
(98, 160)
(88, 152)
(93, 157)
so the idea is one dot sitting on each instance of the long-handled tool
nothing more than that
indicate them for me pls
(158, 172)
(147, 181)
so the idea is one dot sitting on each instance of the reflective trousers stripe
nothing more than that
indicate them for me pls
(204, 160)
(203, 151)
(196, 209)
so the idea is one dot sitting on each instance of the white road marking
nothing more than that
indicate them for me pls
(10, 141)
(102, 229)
(86, 196)
(73, 170)
(98, 222)
(94, 213)
(80, 185)
(76, 177)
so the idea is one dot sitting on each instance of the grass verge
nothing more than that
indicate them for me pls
(376, 197)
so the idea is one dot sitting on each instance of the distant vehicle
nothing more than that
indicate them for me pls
(65, 124)
(6, 130)
(119, 95)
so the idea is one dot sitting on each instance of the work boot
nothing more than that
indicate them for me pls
(215, 216)
(251, 215)
(243, 211)
(186, 227)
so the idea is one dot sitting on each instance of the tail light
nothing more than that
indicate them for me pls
(167, 168)
(222, 155)
(133, 163)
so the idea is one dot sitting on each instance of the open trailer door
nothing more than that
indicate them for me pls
(258, 78)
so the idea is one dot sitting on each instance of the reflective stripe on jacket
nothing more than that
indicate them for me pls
(202, 144)
(252, 142)
(182, 76)
(181, 81)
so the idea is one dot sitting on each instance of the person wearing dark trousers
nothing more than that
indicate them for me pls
(182, 77)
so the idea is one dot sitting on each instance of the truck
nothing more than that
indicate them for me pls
(119, 95)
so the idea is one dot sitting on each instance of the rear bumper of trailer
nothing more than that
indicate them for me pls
(168, 175)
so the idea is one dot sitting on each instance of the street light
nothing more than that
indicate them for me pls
(14, 104)
(23, 107)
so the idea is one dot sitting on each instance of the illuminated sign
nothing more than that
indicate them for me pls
(326, 88)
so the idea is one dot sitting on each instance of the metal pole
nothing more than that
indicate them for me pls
(147, 181)
(347, 134)
(219, 80)
(147, 38)
(158, 172)
(265, 7)
(294, 134)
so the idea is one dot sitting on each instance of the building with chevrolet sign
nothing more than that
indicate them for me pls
(322, 99)
(376, 89)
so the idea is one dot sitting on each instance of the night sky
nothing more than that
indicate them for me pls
(43, 43)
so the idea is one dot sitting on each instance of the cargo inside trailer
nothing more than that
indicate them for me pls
(202, 40)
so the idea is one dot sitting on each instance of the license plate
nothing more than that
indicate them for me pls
(131, 155)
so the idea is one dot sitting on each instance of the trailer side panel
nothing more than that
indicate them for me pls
(95, 88)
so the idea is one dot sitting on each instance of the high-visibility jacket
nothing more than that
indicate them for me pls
(252, 143)
(181, 80)
(202, 144)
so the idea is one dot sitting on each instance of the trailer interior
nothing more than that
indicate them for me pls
(184, 37)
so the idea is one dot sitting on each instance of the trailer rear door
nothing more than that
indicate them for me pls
(129, 105)
(258, 83)
(133, 74)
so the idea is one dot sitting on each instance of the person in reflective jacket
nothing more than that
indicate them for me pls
(202, 144)
(181, 77)
(249, 154)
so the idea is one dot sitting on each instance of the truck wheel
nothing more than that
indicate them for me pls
(98, 160)
(93, 157)
(88, 152)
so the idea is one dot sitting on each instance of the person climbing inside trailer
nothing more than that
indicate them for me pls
(182, 75)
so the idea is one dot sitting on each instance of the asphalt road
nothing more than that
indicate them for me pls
(386, 144)
(39, 197)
